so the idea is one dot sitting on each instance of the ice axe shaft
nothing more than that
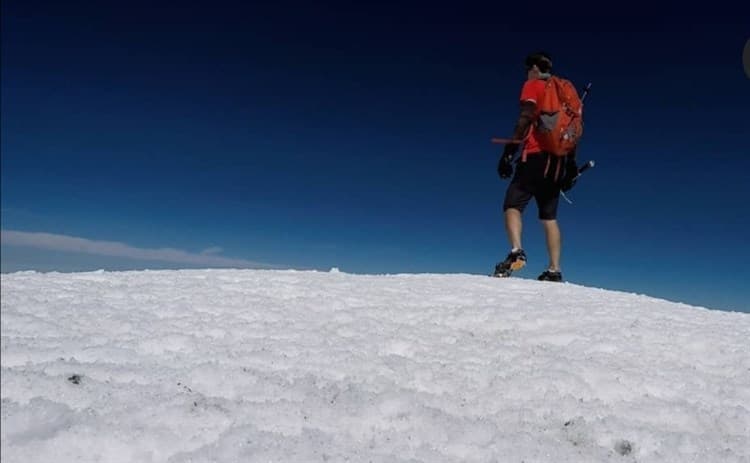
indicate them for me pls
(588, 165)
(585, 91)
(505, 141)
(585, 167)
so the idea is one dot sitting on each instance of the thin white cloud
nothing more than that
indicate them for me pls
(55, 242)
(212, 250)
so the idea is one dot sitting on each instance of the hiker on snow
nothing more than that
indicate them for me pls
(548, 127)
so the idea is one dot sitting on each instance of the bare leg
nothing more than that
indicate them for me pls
(552, 231)
(513, 226)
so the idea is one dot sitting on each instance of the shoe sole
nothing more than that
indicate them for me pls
(517, 265)
(551, 280)
(503, 274)
(513, 267)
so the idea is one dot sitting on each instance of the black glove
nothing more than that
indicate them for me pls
(505, 166)
(570, 178)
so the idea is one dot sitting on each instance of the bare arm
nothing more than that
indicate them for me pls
(525, 119)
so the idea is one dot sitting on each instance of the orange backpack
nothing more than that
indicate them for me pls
(560, 123)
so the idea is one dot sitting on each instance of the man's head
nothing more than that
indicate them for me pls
(538, 63)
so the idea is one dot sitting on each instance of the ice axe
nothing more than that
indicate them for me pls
(582, 169)
(585, 167)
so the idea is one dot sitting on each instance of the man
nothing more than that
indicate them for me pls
(538, 175)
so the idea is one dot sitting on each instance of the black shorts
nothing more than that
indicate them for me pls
(530, 181)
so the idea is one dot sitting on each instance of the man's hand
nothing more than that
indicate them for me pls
(505, 167)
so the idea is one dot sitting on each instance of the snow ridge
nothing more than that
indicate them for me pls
(259, 365)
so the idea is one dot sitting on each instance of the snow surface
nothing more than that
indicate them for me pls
(287, 366)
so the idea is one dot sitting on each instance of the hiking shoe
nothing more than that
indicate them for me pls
(514, 261)
(550, 275)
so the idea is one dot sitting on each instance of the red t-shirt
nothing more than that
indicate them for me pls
(532, 90)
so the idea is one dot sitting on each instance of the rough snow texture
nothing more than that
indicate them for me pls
(284, 366)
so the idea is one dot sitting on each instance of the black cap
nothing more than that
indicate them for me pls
(541, 59)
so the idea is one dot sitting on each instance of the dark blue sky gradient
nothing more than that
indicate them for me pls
(357, 136)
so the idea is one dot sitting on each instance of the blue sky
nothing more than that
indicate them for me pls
(324, 135)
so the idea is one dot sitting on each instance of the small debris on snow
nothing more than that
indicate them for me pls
(623, 447)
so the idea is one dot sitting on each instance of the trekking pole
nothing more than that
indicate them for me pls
(585, 91)
(585, 167)
(589, 164)
(581, 170)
